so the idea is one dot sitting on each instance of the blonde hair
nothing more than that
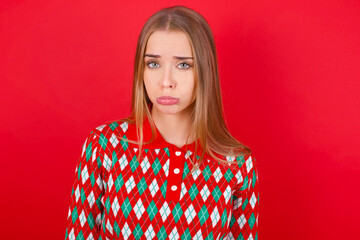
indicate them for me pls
(207, 113)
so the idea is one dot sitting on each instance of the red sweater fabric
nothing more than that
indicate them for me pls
(117, 196)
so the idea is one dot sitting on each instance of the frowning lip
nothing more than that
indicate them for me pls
(167, 100)
(166, 97)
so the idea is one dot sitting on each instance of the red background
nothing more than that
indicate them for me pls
(290, 74)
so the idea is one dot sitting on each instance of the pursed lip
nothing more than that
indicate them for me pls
(166, 97)
(167, 100)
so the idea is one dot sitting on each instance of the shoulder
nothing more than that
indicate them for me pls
(112, 128)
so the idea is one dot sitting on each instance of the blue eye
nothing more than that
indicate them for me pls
(186, 65)
(149, 64)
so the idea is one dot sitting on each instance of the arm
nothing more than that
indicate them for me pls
(84, 217)
(244, 219)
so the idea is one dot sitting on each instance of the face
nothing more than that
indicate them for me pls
(169, 73)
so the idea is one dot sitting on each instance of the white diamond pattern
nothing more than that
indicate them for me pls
(241, 221)
(91, 199)
(145, 164)
(198, 235)
(84, 174)
(253, 200)
(227, 194)
(166, 167)
(110, 183)
(93, 158)
(249, 164)
(123, 162)
(154, 187)
(150, 234)
(107, 162)
(77, 193)
(82, 218)
(100, 128)
(218, 175)
(126, 231)
(130, 184)
(164, 211)
(190, 214)
(114, 141)
(205, 192)
(183, 190)
(115, 206)
(215, 216)
(188, 154)
(139, 208)
(174, 234)
(239, 177)
(124, 126)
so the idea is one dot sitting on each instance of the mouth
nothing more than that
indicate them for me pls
(167, 100)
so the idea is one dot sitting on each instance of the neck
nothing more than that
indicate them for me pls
(174, 128)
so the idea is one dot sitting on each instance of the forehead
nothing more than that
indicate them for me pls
(168, 42)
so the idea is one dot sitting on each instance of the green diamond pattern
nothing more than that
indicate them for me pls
(103, 141)
(99, 163)
(186, 235)
(138, 232)
(207, 173)
(74, 215)
(113, 125)
(134, 163)
(88, 151)
(82, 195)
(124, 144)
(253, 179)
(210, 236)
(228, 175)
(186, 170)
(216, 194)
(114, 159)
(107, 205)
(119, 182)
(152, 210)
(245, 183)
(163, 189)
(142, 186)
(156, 166)
(203, 215)
(126, 207)
(252, 220)
(223, 218)
(80, 236)
(91, 221)
(79, 171)
(177, 212)
(92, 179)
(162, 235)
(116, 229)
(193, 191)
(246, 201)
(167, 151)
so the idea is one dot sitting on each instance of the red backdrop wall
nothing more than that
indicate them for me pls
(290, 80)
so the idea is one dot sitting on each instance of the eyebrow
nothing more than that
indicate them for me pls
(176, 57)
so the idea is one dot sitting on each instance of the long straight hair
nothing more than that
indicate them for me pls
(207, 114)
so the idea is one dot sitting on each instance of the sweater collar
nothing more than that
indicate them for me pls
(159, 141)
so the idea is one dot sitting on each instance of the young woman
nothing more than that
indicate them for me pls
(171, 170)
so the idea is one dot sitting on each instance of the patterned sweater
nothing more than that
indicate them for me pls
(115, 196)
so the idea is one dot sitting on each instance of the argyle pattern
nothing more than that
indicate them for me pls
(114, 196)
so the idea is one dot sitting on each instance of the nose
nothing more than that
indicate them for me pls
(167, 80)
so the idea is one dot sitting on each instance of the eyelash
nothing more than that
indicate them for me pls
(149, 62)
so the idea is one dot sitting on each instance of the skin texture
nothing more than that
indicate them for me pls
(166, 75)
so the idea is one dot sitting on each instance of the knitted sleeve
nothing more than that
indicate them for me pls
(86, 207)
(244, 219)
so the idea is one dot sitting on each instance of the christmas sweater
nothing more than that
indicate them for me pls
(116, 196)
